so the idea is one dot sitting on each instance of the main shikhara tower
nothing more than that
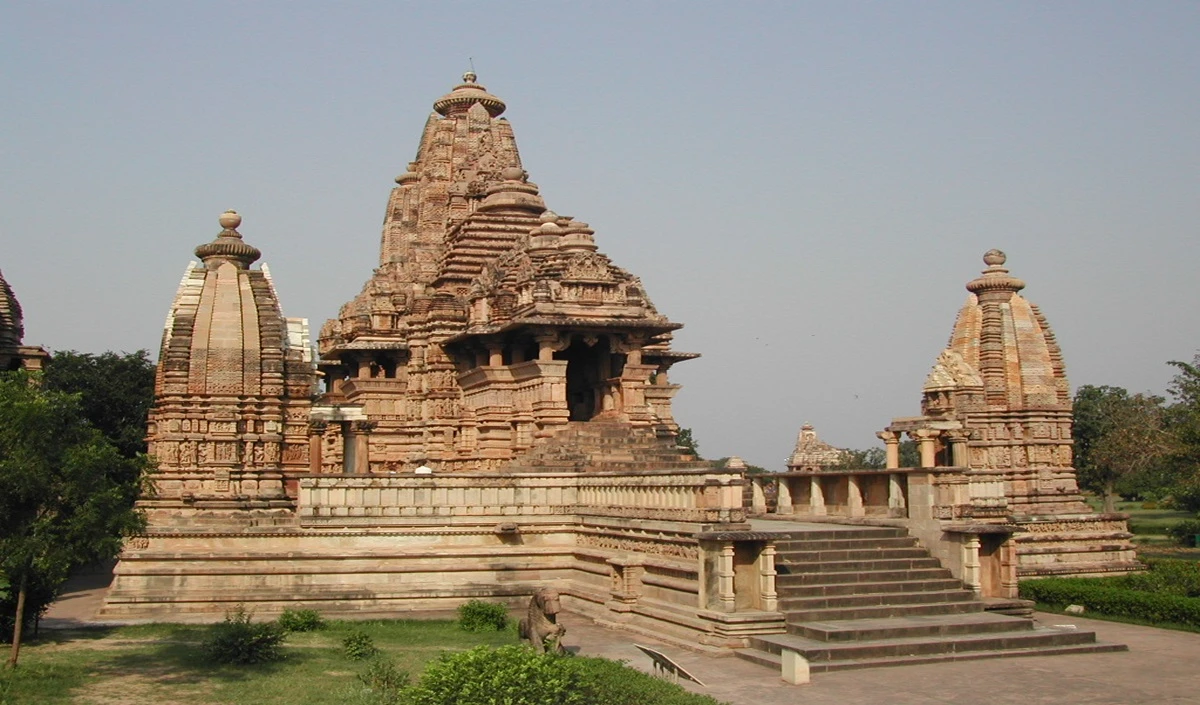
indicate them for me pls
(491, 321)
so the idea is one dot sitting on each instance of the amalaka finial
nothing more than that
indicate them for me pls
(995, 280)
(229, 245)
(995, 258)
(470, 77)
(230, 220)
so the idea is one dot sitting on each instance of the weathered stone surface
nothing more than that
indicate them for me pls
(229, 424)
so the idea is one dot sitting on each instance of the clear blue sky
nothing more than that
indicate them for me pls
(806, 186)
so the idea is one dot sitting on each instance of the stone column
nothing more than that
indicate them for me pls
(362, 430)
(891, 442)
(758, 497)
(958, 448)
(364, 369)
(854, 501)
(970, 558)
(816, 497)
(783, 498)
(316, 431)
(495, 356)
(766, 571)
(725, 575)
(925, 442)
(896, 505)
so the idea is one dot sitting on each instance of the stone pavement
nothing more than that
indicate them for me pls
(1161, 667)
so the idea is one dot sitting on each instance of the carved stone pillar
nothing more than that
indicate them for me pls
(896, 503)
(783, 499)
(970, 557)
(316, 430)
(958, 447)
(925, 438)
(725, 576)
(362, 437)
(816, 497)
(495, 356)
(854, 500)
(766, 571)
(891, 443)
(758, 496)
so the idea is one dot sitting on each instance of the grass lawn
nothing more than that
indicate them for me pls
(162, 663)
(1149, 527)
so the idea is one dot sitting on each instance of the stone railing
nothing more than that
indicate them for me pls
(703, 495)
(836, 493)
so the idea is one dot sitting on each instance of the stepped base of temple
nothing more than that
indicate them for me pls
(862, 597)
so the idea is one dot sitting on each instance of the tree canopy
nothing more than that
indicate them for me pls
(115, 392)
(62, 503)
(1121, 441)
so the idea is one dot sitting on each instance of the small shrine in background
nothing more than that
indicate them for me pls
(811, 453)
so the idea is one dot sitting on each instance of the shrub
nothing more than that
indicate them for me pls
(514, 675)
(480, 616)
(1185, 532)
(1107, 599)
(1166, 576)
(613, 682)
(359, 645)
(301, 620)
(384, 679)
(240, 641)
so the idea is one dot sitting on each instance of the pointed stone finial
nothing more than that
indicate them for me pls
(228, 246)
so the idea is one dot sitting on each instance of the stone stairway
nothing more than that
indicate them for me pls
(606, 445)
(863, 597)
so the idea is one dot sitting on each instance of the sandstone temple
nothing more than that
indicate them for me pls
(13, 354)
(492, 414)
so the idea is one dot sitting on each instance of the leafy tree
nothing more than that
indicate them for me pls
(60, 506)
(1120, 439)
(866, 458)
(685, 441)
(115, 390)
(1183, 420)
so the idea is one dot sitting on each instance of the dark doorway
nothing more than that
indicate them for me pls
(586, 371)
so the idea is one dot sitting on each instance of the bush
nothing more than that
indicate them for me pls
(1185, 532)
(480, 616)
(514, 675)
(359, 645)
(1166, 576)
(1107, 599)
(611, 682)
(517, 675)
(301, 620)
(240, 641)
(385, 680)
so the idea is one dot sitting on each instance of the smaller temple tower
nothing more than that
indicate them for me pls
(995, 423)
(234, 385)
(811, 453)
(13, 354)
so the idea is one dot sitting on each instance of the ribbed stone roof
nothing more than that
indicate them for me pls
(1003, 343)
(12, 326)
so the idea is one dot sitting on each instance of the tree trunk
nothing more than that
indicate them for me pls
(16, 645)
(1110, 498)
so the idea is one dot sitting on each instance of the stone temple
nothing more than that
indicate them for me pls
(14, 355)
(492, 415)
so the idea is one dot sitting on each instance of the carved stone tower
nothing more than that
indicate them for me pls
(997, 408)
(13, 354)
(233, 388)
(491, 321)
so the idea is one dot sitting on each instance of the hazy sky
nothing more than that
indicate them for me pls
(806, 186)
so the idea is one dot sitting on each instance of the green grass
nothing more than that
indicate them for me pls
(1148, 525)
(162, 663)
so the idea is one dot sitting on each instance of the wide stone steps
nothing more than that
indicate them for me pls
(862, 597)
(828, 579)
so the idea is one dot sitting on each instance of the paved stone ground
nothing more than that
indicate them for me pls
(1161, 667)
